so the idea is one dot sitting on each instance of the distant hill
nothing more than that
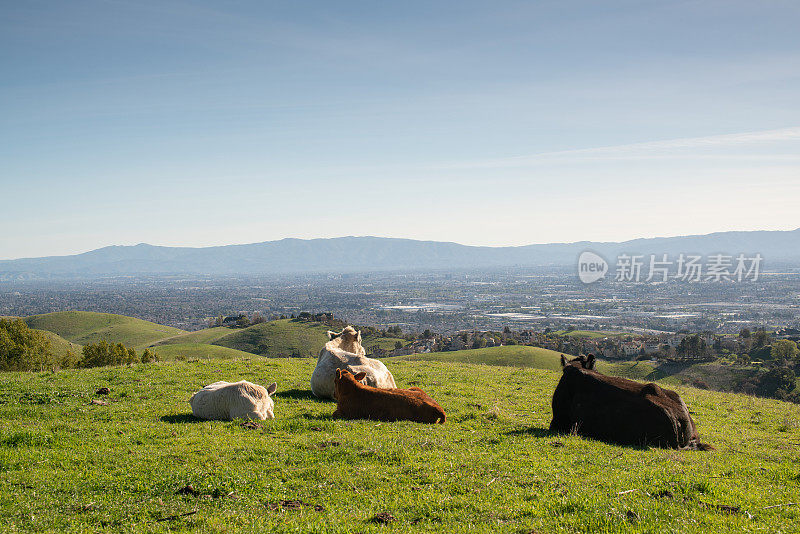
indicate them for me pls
(533, 357)
(359, 254)
(207, 335)
(90, 327)
(287, 338)
(200, 351)
(61, 346)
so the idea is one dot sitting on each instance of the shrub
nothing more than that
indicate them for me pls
(23, 349)
(103, 353)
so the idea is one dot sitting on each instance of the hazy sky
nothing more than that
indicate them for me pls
(203, 123)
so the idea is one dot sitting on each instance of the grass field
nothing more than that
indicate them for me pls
(72, 466)
(286, 337)
(208, 335)
(188, 351)
(90, 327)
(534, 357)
(60, 346)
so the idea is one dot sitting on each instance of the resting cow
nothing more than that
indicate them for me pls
(621, 411)
(344, 351)
(354, 400)
(237, 400)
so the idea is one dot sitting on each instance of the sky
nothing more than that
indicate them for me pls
(485, 123)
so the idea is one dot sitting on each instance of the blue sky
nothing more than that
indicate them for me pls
(495, 123)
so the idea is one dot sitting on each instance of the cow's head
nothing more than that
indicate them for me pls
(349, 340)
(270, 408)
(344, 379)
(581, 362)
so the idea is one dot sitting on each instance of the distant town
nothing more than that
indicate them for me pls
(533, 299)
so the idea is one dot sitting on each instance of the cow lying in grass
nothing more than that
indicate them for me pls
(344, 351)
(621, 411)
(354, 400)
(238, 400)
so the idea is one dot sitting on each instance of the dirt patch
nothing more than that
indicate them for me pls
(383, 518)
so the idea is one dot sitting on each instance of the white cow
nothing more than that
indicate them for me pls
(234, 400)
(344, 351)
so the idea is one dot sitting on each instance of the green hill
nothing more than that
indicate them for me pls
(60, 346)
(535, 357)
(142, 463)
(208, 335)
(90, 327)
(204, 351)
(288, 338)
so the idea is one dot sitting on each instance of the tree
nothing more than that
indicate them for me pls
(777, 381)
(744, 333)
(103, 353)
(24, 349)
(761, 338)
(149, 356)
(427, 334)
(784, 351)
(219, 321)
(398, 345)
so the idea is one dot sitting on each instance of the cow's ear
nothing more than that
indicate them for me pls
(331, 335)
(360, 376)
(359, 337)
(563, 361)
(339, 374)
(272, 388)
(590, 361)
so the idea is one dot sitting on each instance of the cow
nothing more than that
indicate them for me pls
(344, 351)
(621, 411)
(355, 400)
(238, 400)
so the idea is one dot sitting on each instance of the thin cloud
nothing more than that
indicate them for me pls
(640, 150)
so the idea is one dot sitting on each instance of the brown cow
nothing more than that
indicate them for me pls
(618, 410)
(355, 400)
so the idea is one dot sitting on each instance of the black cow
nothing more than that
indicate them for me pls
(618, 410)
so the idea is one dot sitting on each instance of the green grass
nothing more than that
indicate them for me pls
(188, 351)
(70, 466)
(535, 357)
(90, 327)
(287, 337)
(208, 335)
(60, 346)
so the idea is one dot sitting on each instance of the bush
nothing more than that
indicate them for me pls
(103, 353)
(149, 356)
(24, 349)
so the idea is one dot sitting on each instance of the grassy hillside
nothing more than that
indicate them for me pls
(90, 327)
(535, 357)
(60, 346)
(203, 351)
(71, 466)
(208, 335)
(287, 338)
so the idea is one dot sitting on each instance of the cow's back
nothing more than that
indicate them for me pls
(620, 411)
(226, 401)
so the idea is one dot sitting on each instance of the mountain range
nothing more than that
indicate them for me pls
(363, 254)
